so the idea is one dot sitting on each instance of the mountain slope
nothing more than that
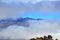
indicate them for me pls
(4, 23)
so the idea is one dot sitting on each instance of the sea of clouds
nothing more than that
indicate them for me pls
(16, 8)
(36, 28)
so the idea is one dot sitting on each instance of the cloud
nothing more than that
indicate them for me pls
(44, 27)
(11, 9)
(14, 32)
(36, 28)
(14, 10)
(9, 12)
(25, 1)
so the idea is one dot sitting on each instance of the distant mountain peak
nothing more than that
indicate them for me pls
(27, 18)
(4, 23)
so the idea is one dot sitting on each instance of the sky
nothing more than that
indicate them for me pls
(49, 10)
(48, 16)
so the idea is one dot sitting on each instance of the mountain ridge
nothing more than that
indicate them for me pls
(4, 23)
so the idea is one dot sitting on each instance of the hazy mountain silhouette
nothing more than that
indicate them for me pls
(4, 23)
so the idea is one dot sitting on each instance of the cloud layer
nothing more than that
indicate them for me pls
(40, 6)
(36, 28)
(25, 1)
(14, 10)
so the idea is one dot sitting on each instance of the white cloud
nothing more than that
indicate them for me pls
(37, 28)
(10, 12)
(14, 10)
(14, 32)
(26, 1)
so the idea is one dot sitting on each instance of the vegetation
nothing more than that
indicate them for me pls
(49, 37)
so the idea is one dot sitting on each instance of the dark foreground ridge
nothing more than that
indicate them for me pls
(49, 37)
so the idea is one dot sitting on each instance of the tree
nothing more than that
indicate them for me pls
(56, 39)
(45, 38)
(33, 39)
(49, 36)
(42, 38)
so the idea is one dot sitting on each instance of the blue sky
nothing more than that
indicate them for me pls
(43, 15)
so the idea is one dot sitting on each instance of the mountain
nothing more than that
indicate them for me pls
(4, 23)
